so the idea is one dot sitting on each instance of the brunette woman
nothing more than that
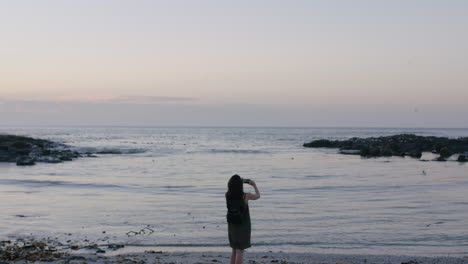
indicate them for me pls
(239, 233)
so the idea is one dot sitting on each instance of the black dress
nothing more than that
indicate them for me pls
(239, 234)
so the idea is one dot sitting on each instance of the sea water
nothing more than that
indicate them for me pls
(164, 188)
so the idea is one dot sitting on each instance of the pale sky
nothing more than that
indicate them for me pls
(400, 63)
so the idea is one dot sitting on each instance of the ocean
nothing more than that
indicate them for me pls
(163, 188)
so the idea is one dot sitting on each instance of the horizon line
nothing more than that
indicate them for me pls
(239, 126)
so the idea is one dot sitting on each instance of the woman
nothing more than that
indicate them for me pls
(239, 234)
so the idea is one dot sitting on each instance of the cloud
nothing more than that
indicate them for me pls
(101, 99)
(64, 105)
(147, 99)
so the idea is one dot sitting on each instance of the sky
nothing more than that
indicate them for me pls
(372, 63)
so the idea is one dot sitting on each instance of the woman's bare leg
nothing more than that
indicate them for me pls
(239, 256)
(233, 256)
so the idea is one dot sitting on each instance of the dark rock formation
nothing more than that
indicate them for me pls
(29, 251)
(28, 151)
(321, 143)
(462, 158)
(397, 145)
(25, 161)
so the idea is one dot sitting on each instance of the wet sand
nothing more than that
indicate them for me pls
(267, 257)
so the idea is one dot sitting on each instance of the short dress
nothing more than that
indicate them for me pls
(239, 234)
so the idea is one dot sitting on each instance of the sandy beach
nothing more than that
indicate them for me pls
(24, 251)
(265, 257)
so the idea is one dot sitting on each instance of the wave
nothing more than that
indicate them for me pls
(343, 188)
(237, 151)
(105, 150)
(300, 243)
(37, 183)
(177, 186)
(69, 184)
(322, 176)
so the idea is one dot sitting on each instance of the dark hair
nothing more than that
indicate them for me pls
(235, 188)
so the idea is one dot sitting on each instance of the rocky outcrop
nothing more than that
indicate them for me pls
(28, 151)
(397, 145)
(462, 158)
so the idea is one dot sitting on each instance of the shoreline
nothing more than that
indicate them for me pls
(24, 251)
(188, 257)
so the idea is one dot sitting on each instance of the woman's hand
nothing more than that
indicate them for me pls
(251, 182)
(255, 196)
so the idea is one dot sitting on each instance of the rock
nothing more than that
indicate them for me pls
(92, 246)
(28, 251)
(27, 151)
(74, 247)
(386, 151)
(74, 257)
(350, 151)
(414, 154)
(462, 158)
(410, 262)
(24, 161)
(49, 159)
(321, 143)
(397, 145)
(115, 246)
(109, 152)
(154, 252)
(445, 152)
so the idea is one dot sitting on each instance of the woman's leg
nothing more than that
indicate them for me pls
(233, 256)
(239, 256)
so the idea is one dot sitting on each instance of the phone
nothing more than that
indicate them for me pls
(246, 181)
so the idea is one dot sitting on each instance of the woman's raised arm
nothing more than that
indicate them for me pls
(251, 196)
